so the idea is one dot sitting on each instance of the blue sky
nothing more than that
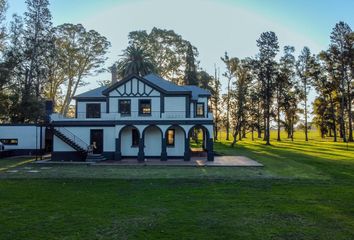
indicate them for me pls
(212, 26)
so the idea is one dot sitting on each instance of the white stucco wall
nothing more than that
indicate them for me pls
(126, 143)
(152, 142)
(84, 134)
(178, 148)
(26, 135)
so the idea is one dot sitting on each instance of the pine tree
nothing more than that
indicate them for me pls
(268, 48)
(190, 73)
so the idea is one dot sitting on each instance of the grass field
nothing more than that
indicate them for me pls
(304, 191)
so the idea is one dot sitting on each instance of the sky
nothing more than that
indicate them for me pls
(213, 26)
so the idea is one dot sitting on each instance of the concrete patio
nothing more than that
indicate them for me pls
(219, 161)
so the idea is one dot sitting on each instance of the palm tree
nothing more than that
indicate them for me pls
(135, 60)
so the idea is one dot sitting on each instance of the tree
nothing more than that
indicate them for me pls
(135, 60)
(231, 65)
(342, 47)
(283, 82)
(268, 48)
(303, 69)
(85, 54)
(216, 102)
(3, 7)
(190, 72)
(243, 79)
(167, 49)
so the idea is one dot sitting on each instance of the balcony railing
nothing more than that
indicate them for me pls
(154, 115)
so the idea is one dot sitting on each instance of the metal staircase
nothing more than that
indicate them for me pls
(78, 144)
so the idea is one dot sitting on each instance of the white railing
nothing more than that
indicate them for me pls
(134, 115)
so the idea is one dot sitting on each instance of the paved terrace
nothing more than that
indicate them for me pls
(219, 161)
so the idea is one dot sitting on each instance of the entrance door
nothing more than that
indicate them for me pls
(96, 140)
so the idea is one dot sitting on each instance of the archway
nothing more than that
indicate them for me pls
(128, 142)
(152, 140)
(175, 137)
(200, 144)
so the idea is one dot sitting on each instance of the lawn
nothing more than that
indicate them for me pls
(304, 191)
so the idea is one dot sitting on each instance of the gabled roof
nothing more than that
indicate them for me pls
(94, 93)
(197, 91)
(153, 81)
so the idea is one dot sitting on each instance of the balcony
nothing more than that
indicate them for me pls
(134, 115)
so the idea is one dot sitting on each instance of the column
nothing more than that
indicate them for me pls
(141, 155)
(118, 153)
(163, 150)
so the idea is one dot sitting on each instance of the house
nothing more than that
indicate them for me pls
(136, 117)
(22, 139)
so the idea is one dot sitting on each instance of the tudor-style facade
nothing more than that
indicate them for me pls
(136, 117)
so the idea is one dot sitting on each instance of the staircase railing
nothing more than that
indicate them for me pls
(73, 137)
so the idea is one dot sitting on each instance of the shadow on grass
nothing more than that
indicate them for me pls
(295, 161)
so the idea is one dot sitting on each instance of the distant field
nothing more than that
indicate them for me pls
(304, 191)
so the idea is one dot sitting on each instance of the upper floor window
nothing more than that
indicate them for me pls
(13, 141)
(145, 107)
(93, 110)
(200, 110)
(124, 107)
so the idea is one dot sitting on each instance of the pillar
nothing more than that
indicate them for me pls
(163, 150)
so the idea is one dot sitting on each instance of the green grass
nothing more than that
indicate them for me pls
(304, 191)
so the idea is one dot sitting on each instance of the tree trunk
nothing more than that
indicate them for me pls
(228, 111)
(342, 122)
(278, 116)
(333, 118)
(306, 127)
(350, 117)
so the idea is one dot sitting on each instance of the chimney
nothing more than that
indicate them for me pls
(114, 73)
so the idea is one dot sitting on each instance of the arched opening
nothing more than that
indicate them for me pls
(175, 137)
(129, 138)
(200, 143)
(152, 137)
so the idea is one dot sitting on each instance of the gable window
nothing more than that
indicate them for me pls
(7, 141)
(135, 137)
(170, 137)
(93, 110)
(124, 107)
(200, 110)
(145, 107)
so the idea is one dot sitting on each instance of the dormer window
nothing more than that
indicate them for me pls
(93, 110)
(200, 110)
(145, 107)
(124, 107)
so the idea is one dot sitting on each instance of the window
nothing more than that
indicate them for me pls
(124, 107)
(145, 107)
(200, 110)
(93, 110)
(170, 137)
(135, 137)
(13, 141)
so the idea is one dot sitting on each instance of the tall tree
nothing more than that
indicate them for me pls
(3, 7)
(216, 102)
(135, 60)
(304, 70)
(268, 49)
(283, 81)
(342, 46)
(190, 72)
(243, 79)
(231, 65)
(167, 49)
(85, 54)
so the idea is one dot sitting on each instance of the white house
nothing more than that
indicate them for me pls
(22, 139)
(136, 117)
